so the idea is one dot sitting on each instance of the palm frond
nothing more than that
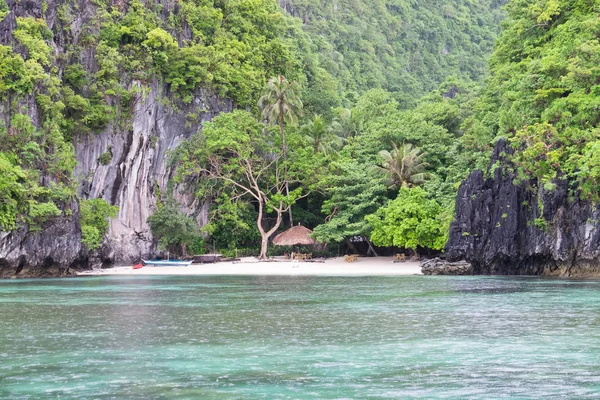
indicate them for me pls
(404, 165)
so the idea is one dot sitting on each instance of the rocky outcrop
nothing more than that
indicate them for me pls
(507, 229)
(304, 12)
(437, 266)
(49, 251)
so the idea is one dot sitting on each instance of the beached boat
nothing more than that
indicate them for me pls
(166, 263)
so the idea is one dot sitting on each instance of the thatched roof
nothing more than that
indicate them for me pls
(296, 235)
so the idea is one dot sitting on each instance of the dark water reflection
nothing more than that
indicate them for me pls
(299, 337)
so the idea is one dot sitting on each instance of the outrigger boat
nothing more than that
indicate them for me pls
(166, 263)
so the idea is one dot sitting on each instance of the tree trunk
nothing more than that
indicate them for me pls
(371, 247)
(351, 247)
(264, 244)
(184, 250)
(285, 168)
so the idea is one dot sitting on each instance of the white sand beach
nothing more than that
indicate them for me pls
(364, 266)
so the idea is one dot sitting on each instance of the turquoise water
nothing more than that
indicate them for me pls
(299, 337)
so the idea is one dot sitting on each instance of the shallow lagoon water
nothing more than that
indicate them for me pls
(299, 337)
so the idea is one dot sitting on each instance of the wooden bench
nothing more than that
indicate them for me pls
(351, 258)
(399, 257)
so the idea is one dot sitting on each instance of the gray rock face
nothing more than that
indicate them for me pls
(139, 168)
(438, 266)
(505, 229)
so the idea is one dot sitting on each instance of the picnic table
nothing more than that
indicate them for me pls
(399, 257)
(302, 256)
(351, 257)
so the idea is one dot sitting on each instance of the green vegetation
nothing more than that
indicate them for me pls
(29, 152)
(175, 231)
(106, 157)
(281, 103)
(95, 214)
(390, 149)
(240, 158)
(322, 137)
(543, 94)
(344, 106)
(405, 47)
(12, 192)
(231, 48)
(240, 162)
(403, 166)
(410, 221)
(232, 227)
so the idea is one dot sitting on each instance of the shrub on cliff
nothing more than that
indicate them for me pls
(95, 214)
(12, 192)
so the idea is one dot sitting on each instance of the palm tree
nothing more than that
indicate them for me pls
(321, 137)
(281, 103)
(347, 124)
(404, 166)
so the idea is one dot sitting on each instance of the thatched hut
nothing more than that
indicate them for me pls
(295, 236)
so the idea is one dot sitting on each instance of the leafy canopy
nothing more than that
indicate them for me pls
(411, 220)
(403, 166)
(175, 231)
(543, 92)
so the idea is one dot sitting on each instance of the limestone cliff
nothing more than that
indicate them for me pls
(508, 229)
(135, 174)
(138, 170)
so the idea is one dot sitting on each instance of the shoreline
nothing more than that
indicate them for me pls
(365, 266)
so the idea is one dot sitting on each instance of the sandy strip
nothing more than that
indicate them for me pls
(374, 266)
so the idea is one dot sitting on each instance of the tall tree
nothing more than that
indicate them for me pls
(239, 156)
(353, 194)
(404, 166)
(281, 103)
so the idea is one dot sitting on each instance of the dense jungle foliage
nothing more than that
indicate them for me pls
(543, 94)
(383, 105)
(405, 47)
